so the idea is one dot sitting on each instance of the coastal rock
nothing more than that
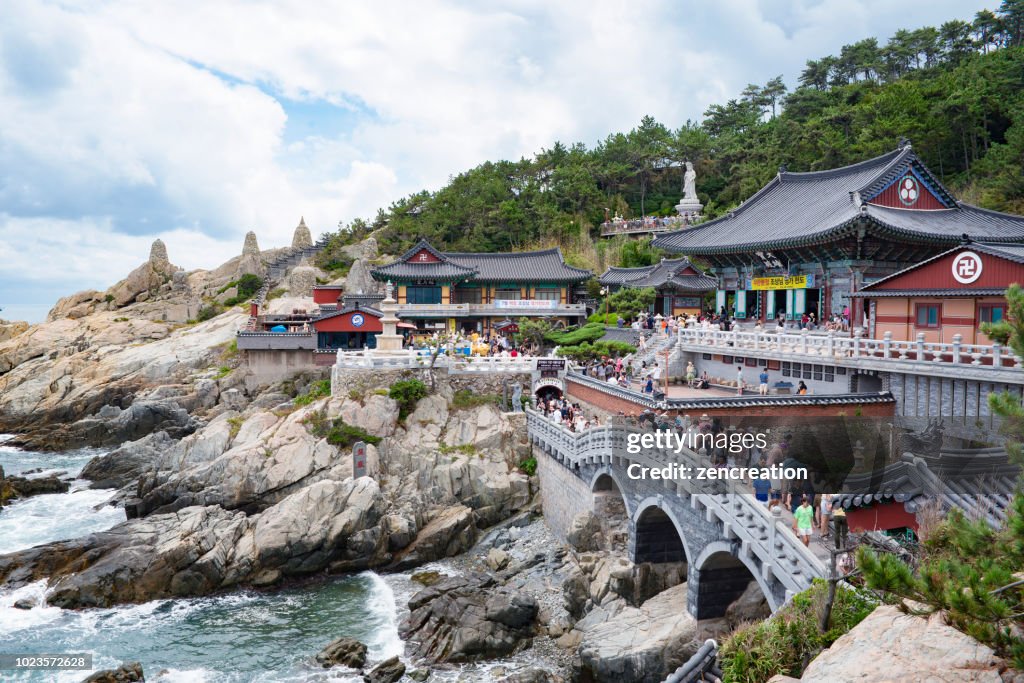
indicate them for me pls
(599, 579)
(750, 606)
(463, 618)
(129, 672)
(452, 531)
(139, 419)
(9, 330)
(301, 281)
(344, 651)
(198, 550)
(892, 646)
(388, 671)
(144, 280)
(124, 465)
(584, 533)
(25, 487)
(642, 644)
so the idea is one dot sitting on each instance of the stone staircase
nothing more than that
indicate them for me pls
(279, 267)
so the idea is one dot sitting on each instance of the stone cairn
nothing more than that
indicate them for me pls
(251, 262)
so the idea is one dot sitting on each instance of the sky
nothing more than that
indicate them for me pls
(197, 121)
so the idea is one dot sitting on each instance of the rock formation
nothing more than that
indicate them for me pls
(344, 651)
(251, 262)
(360, 280)
(464, 618)
(301, 238)
(301, 281)
(891, 646)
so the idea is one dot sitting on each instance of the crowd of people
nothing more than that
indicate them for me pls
(570, 415)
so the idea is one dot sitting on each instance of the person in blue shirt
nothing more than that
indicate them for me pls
(762, 487)
(763, 380)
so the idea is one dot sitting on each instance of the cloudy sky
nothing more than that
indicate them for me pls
(123, 121)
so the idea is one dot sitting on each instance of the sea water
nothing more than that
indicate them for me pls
(243, 636)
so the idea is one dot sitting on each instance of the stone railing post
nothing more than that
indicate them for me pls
(957, 341)
(803, 341)
(830, 344)
(919, 346)
(886, 345)
(856, 342)
(773, 532)
(997, 354)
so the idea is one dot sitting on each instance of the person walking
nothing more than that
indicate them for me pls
(803, 521)
(691, 373)
(762, 387)
(825, 514)
(739, 380)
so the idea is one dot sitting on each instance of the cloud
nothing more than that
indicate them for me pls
(197, 121)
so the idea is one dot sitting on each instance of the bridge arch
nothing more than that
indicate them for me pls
(719, 576)
(605, 479)
(656, 534)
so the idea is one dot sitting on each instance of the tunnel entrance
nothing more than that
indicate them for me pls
(656, 539)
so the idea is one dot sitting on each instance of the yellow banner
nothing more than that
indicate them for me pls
(786, 282)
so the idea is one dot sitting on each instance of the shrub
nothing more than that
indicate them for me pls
(108, 298)
(528, 466)
(248, 285)
(604, 318)
(756, 652)
(345, 435)
(407, 392)
(230, 350)
(587, 352)
(208, 312)
(315, 391)
(276, 293)
(588, 333)
(222, 371)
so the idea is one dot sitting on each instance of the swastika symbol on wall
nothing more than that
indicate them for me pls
(966, 267)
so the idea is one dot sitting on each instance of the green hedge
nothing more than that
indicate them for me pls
(588, 333)
(407, 392)
(587, 351)
(604, 318)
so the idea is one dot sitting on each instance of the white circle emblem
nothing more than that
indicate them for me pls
(966, 267)
(358, 320)
(909, 191)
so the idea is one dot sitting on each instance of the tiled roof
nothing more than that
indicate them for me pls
(348, 309)
(659, 275)
(1011, 252)
(886, 293)
(546, 265)
(799, 209)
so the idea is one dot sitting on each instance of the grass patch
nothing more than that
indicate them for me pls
(315, 391)
(222, 371)
(276, 293)
(230, 350)
(755, 652)
(464, 399)
(208, 312)
(464, 449)
(235, 425)
(337, 431)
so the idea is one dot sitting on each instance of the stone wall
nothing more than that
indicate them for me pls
(563, 494)
(270, 366)
(364, 380)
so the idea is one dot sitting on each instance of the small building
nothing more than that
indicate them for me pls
(950, 294)
(473, 292)
(679, 286)
(350, 328)
(806, 241)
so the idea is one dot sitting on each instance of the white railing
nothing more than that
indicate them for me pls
(760, 532)
(493, 308)
(841, 347)
(421, 359)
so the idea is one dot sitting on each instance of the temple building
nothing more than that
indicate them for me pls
(806, 242)
(679, 286)
(476, 292)
(945, 296)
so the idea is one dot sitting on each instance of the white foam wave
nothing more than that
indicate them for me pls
(386, 642)
(56, 516)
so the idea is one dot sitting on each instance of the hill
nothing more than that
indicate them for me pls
(957, 92)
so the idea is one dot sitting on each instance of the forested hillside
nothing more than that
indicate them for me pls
(957, 92)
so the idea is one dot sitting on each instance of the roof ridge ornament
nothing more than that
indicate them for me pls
(905, 143)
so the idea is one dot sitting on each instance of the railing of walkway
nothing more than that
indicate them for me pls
(761, 533)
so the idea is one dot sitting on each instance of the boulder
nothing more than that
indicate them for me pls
(25, 487)
(464, 618)
(359, 278)
(9, 330)
(452, 531)
(497, 559)
(388, 671)
(126, 673)
(344, 651)
(124, 465)
(24, 603)
(891, 646)
(750, 606)
(584, 533)
(642, 644)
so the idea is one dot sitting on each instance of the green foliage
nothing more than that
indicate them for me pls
(464, 449)
(629, 302)
(208, 312)
(588, 333)
(534, 330)
(592, 351)
(464, 399)
(247, 286)
(604, 318)
(230, 350)
(235, 425)
(968, 570)
(1010, 332)
(337, 432)
(315, 391)
(108, 298)
(638, 253)
(276, 293)
(222, 371)
(407, 392)
(756, 652)
(528, 466)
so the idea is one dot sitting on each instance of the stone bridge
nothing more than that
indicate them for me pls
(725, 536)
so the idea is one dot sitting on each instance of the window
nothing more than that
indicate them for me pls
(817, 372)
(508, 294)
(423, 295)
(467, 295)
(990, 313)
(547, 294)
(808, 372)
(840, 371)
(785, 369)
(705, 356)
(727, 360)
(751, 363)
(928, 315)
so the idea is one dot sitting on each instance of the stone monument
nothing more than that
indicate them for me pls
(689, 207)
(517, 398)
(389, 339)
(251, 261)
(302, 239)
